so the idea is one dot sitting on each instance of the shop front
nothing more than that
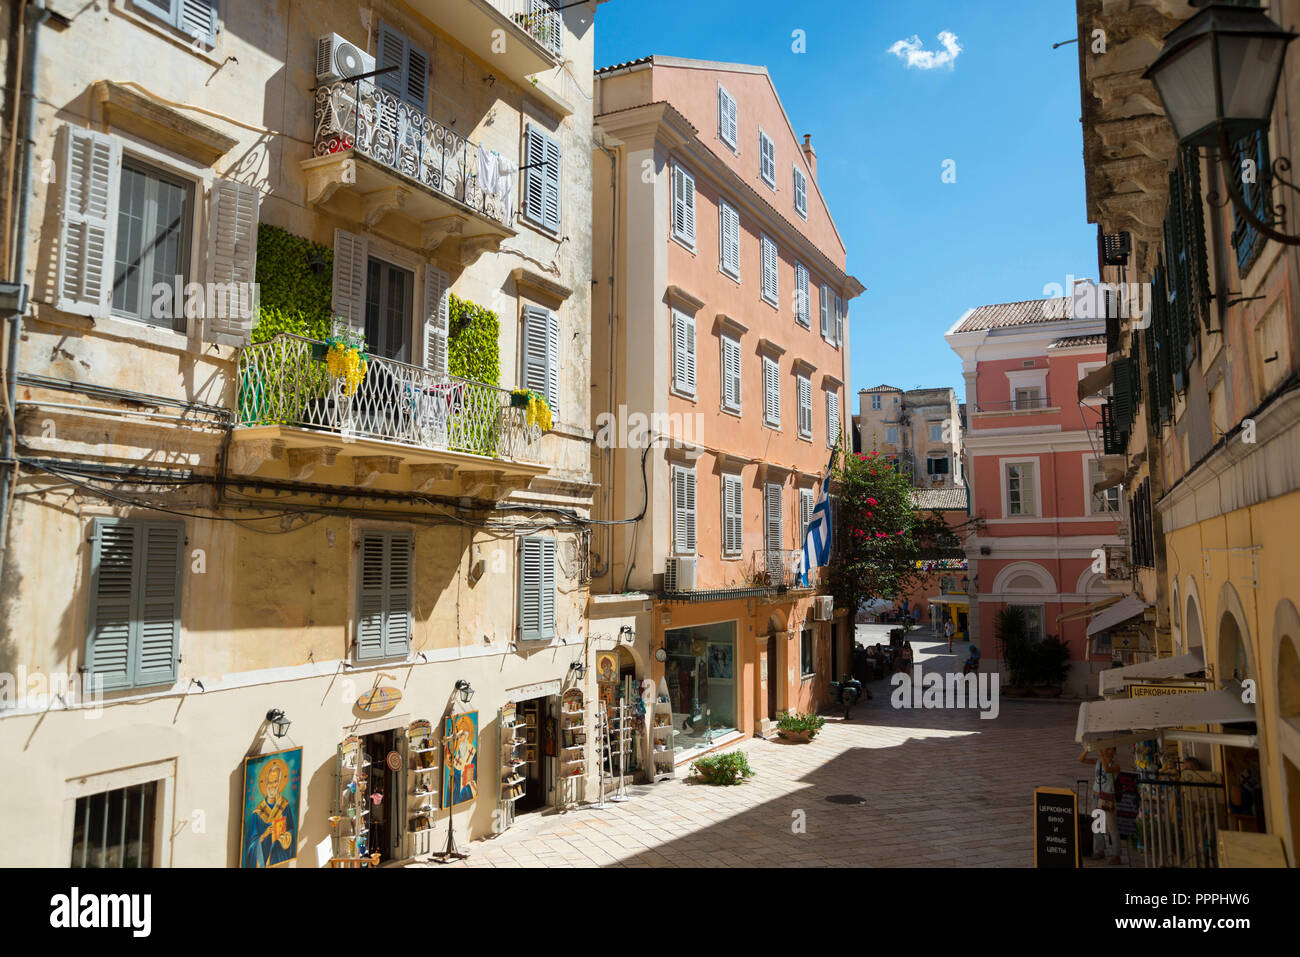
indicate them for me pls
(701, 678)
(543, 736)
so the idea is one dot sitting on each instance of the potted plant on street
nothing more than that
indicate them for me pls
(732, 767)
(799, 727)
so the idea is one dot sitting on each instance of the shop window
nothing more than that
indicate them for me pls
(115, 828)
(807, 666)
(700, 670)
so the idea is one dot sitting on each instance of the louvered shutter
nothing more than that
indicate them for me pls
(1122, 394)
(730, 373)
(802, 295)
(551, 182)
(198, 18)
(92, 171)
(684, 206)
(729, 230)
(437, 312)
(839, 321)
(536, 588)
(772, 531)
(541, 353)
(728, 124)
(832, 418)
(166, 9)
(371, 610)
(392, 53)
(805, 406)
(800, 192)
(351, 253)
(805, 512)
(771, 392)
(684, 511)
(534, 184)
(771, 288)
(397, 596)
(826, 304)
(232, 260)
(683, 353)
(767, 158)
(112, 603)
(158, 609)
(416, 91)
(553, 360)
(732, 516)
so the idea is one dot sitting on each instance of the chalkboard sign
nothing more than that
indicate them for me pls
(1056, 838)
(1128, 801)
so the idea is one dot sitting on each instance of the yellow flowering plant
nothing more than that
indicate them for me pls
(537, 411)
(346, 359)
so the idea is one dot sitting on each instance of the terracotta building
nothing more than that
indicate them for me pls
(722, 344)
(1033, 455)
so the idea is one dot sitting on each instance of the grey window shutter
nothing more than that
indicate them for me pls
(392, 46)
(772, 531)
(397, 595)
(551, 182)
(541, 187)
(548, 588)
(536, 588)
(371, 601)
(553, 360)
(112, 603)
(92, 170)
(416, 91)
(232, 260)
(158, 610)
(437, 318)
(166, 9)
(349, 291)
(198, 18)
(541, 353)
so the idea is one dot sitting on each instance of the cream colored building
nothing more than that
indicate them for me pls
(217, 529)
(922, 427)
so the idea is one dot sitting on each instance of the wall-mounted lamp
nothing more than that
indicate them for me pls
(627, 631)
(465, 691)
(279, 723)
(580, 667)
(317, 264)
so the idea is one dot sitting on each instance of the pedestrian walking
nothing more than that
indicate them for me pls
(948, 631)
(1104, 777)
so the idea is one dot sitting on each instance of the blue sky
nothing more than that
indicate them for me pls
(1006, 111)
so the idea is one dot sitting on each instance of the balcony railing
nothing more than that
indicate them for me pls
(357, 115)
(779, 567)
(285, 381)
(539, 19)
(1015, 405)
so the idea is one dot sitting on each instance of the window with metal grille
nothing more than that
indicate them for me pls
(115, 828)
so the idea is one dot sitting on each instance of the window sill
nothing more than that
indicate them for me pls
(538, 227)
(774, 428)
(736, 412)
(688, 246)
(169, 33)
(685, 396)
(805, 438)
(774, 304)
(735, 278)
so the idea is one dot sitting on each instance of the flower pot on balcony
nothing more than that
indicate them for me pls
(318, 351)
(519, 400)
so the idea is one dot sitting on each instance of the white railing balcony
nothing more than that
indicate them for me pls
(441, 428)
(539, 19)
(358, 116)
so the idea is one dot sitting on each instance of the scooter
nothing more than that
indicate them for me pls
(847, 691)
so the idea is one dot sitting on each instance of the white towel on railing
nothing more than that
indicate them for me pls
(488, 170)
(505, 186)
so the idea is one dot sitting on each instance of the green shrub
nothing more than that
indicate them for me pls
(293, 298)
(800, 723)
(729, 768)
(473, 342)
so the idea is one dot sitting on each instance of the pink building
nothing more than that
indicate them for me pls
(1033, 455)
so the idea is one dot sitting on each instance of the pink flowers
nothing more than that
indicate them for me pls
(870, 515)
(872, 501)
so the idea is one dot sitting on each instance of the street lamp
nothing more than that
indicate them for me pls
(1217, 77)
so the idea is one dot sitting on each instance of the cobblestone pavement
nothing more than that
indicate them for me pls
(932, 789)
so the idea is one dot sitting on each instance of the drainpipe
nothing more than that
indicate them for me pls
(19, 243)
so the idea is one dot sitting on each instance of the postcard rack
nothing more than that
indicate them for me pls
(422, 747)
(662, 733)
(513, 780)
(573, 746)
(349, 821)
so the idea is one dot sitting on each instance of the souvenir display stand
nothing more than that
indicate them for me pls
(512, 759)
(349, 822)
(422, 751)
(662, 734)
(617, 744)
(573, 746)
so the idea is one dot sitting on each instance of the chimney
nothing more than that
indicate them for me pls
(810, 155)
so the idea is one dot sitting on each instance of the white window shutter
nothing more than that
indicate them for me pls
(437, 319)
(826, 303)
(730, 232)
(803, 294)
(684, 511)
(683, 205)
(732, 516)
(772, 531)
(351, 253)
(198, 18)
(767, 158)
(805, 512)
(727, 117)
(839, 320)
(832, 417)
(730, 373)
(800, 192)
(232, 261)
(553, 361)
(551, 185)
(92, 174)
(683, 353)
(530, 589)
(771, 392)
(805, 406)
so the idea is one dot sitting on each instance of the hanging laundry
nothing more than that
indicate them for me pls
(505, 186)
(488, 170)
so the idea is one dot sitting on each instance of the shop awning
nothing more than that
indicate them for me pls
(1179, 666)
(1095, 381)
(960, 600)
(1099, 720)
(1087, 610)
(1121, 613)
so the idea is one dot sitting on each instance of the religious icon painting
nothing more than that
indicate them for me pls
(272, 789)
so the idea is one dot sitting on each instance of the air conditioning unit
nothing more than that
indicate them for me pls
(823, 607)
(679, 574)
(339, 59)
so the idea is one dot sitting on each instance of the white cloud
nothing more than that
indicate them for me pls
(912, 52)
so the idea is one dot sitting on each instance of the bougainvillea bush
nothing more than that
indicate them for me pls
(879, 535)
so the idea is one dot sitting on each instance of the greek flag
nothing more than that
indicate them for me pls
(817, 540)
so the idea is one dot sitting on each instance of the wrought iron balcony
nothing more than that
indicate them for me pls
(779, 568)
(539, 19)
(358, 116)
(1026, 404)
(444, 429)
